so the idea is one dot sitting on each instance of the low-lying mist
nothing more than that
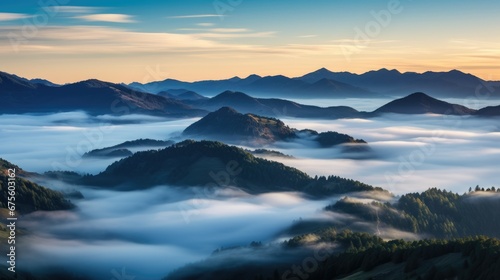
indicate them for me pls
(408, 152)
(151, 232)
(57, 141)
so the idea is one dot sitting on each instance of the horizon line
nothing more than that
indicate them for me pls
(244, 76)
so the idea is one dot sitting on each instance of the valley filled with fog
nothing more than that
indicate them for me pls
(111, 230)
(408, 152)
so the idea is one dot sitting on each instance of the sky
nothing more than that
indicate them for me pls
(124, 41)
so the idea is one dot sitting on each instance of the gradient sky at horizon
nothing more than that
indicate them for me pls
(125, 41)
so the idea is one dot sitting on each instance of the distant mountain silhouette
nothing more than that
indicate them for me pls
(268, 86)
(453, 83)
(93, 96)
(20, 95)
(44, 82)
(421, 103)
(182, 95)
(273, 107)
(215, 164)
(324, 83)
(106, 153)
(13, 84)
(489, 111)
(329, 86)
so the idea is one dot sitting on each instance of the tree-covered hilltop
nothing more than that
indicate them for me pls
(369, 257)
(331, 254)
(226, 124)
(214, 164)
(436, 212)
(29, 196)
(332, 138)
(122, 150)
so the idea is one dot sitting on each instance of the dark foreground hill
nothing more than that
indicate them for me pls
(434, 212)
(29, 196)
(215, 164)
(331, 254)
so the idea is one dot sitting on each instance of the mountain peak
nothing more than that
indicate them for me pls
(253, 76)
(226, 111)
(232, 94)
(421, 103)
(322, 70)
(93, 83)
(419, 95)
(234, 79)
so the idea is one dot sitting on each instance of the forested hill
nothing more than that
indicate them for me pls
(330, 254)
(29, 196)
(208, 163)
(436, 212)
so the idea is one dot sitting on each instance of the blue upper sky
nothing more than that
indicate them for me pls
(119, 40)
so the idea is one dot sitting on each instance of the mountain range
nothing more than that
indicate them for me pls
(20, 95)
(93, 96)
(324, 83)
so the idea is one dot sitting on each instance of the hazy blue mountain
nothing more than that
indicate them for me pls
(182, 95)
(271, 107)
(158, 86)
(421, 103)
(238, 100)
(20, 95)
(330, 86)
(13, 84)
(44, 82)
(453, 83)
(108, 153)
(268, 86)
(489, 111)
(324, 83)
